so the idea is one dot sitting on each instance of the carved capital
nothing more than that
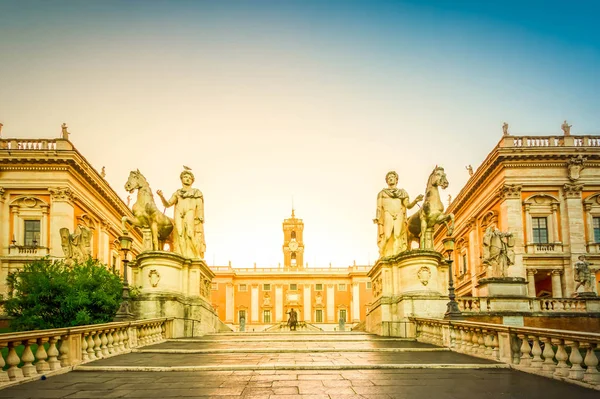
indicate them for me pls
(556, 272)
(2, 192)
(471, 223)
(61, 194)
(531, 272)
(573, 190)
(510, 191)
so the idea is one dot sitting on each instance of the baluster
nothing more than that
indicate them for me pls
(562, 368)
(475, 341)
(110, 339)
(525, 349)
(481, 342)
(119, 341)
(536, 351)
(495, 346)
(576, 372)
(467, 341)
(452, 338)
(27, 358)
(53, 354)
(126, 340)
(487, 343)
(90, 346)
(591, 361)
(97, 345)
(3, 376)
(40, 355)
(65, 348)
(515, 348)
(84, 346)
(14, 372)
(548, 353)
(104, 341)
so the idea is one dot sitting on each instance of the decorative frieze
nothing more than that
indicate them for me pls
(61, 194)
(510, 191)
(572, 190)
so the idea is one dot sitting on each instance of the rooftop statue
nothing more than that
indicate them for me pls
(505, 128)
(392, 203)
(469, 169)
(77, 246)
(421, 224)
(65, 133)
(188, 217)
(498, 251)
(145, 212)
(566, 128)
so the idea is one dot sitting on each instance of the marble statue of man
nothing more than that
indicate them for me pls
(188, 217)
(566, 128)
(392, 228)
(583, 274)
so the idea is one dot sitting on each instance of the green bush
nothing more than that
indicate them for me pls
(50, 294)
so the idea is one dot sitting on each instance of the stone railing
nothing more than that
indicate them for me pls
(550, 141)
(58, 350)
(560, 354)
(547, 248)
(28, 144)
(544, 305)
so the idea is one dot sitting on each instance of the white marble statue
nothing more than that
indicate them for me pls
(498, 251)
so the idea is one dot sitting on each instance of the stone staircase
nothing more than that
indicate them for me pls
(295, 365)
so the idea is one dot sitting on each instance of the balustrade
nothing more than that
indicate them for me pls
(54, 348)
(569, 355)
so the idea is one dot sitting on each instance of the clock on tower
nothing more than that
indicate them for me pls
(293, 246)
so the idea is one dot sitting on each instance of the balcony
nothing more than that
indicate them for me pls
(27, 251)
(593, 247)
(545, 248)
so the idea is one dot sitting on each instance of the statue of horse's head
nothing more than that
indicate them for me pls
(135, 181)
(438, 178)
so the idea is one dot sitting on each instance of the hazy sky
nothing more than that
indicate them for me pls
(315, 100)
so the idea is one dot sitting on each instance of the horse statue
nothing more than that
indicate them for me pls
(146, 213)
(421, 224)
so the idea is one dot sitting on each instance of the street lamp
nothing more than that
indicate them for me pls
(452, 311)
(124, 313)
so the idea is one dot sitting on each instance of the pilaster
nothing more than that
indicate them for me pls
(512, 219)
(62, 214)
(575, 231)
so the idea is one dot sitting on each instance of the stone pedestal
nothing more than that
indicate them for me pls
(411, 284)
(507, 294)
(586, 295)
(169, 285)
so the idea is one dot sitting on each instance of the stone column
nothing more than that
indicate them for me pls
(512, 218)
(556, 284)
(355, 303)
(531, 282)
(474, 252)
(278, 303)
(307, 305)
(62, 214)
(575, 231)
(229, 303)
(254, 303)
(330, 303)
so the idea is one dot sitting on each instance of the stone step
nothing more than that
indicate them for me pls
(289, 350)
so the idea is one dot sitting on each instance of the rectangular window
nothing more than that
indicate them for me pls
(368, 285)
(242, 287)
(293, 287)
(540, 230)
(32, 233)
(266, 316)
(341, 287)
(465, 265)
(318, 287)
(596, 224)
(343, 314)
(214, 286)
(266, 287)
(319, 316)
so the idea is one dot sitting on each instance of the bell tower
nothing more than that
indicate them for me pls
(293, 244)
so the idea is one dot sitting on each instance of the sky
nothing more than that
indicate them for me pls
(310, 102)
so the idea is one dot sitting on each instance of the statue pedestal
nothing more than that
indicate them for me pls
(586, 295)
(169, 285)
(411, 284)
(509, 293)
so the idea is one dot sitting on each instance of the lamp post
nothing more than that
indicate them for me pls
(124, 313)
(452, 311)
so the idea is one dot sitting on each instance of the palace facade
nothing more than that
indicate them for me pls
(545, 191)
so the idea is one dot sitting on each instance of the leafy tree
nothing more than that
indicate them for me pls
(50, 294)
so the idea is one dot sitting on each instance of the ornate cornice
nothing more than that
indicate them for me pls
(61, 194)
(510, 191)
(573, 190)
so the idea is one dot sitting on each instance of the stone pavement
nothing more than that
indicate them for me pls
(289, 365)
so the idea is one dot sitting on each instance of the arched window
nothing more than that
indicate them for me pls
(293, 260)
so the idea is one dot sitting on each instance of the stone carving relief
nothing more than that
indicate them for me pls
(154, 277)
(267, 299)
(61, 194)
(77, 247)
(575, 166)
(573, 190)
(377, 286)
(424, 274)
(319, 299)
(510, 191)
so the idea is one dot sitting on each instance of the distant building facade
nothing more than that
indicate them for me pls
(545, 192)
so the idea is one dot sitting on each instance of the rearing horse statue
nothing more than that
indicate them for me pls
(145, 212)
(421, 224)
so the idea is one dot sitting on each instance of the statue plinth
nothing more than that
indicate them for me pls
(512, 287)
(410, 284)
(172, 286)
(586, 295)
